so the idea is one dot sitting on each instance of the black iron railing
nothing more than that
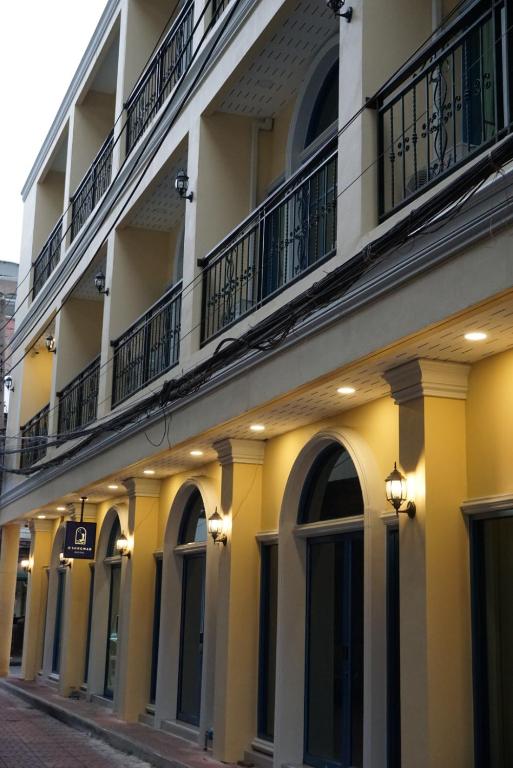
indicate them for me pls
(47, 259)
(289, 233)
(93, 186)
(160, 77)
(34, 438)
(149, 348)
(445, 106)
(78, 400)
(218, 7)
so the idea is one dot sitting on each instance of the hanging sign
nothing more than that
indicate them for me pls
(80, 540)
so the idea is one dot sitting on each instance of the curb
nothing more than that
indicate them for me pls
(115, 740)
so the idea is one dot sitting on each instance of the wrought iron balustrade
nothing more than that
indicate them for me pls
(168, 65)
(92, 187)
(47, 259)
(289, 233)
(78, 400)
(34, 438)
(447, 105)
(149, 348)
(218, 7)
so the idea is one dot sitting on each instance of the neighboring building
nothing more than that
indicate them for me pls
(266, 345)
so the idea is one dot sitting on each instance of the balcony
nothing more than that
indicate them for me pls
(149, 348)
(168, 65)
(78, 401)
(47, 259)
(92, 187)
(445, 106)
(291, 232)
(34, 438)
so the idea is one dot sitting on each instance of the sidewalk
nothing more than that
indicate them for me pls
(160, 749)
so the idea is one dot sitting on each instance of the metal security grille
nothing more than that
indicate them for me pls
(289, 233)
(445, 107)
(34, 438)
(78, 400)
(92, 187)
(168, 65)
(149, 348)
(47, 259)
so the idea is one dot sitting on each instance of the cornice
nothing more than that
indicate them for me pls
(142, 486)
(427, 378)
(488, 504)
(232, 451)
(70, 95)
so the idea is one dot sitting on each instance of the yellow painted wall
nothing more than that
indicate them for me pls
(490, 426)
(170, 487)
(272, 146)
(49, 207)
(94, 119)
(79, 338)
(37, 380)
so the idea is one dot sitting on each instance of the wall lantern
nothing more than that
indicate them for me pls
(336, 5)
(65, 562)
(395, 486)
(123, 546)
(8, 382)
(50, 344)
(182, 185)
(216, 528)
(99, 282)
(26, 565)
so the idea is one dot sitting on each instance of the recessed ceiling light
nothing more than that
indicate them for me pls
(148, 471)
(113, 487)
(61, 509)
(41, 517)
(475, 336)
(346, 390)
(257, 428)
(196, 452)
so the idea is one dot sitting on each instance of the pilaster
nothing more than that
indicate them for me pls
(37, 596)
(9, 549)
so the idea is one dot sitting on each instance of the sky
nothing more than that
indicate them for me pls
(41, 44)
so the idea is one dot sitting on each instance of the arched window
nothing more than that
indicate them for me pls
(115, 533)
(194, 524)
(332, 489)
(325, 110)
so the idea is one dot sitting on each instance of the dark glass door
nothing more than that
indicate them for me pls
(112, 631)
(191, 639)
(492, 615)
(156, 631)
(56, 655)
(334, 652)
(89, 621)
(268, 625)
(393, 652)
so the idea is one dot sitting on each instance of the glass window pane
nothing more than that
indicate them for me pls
(56, 656)
(332, 488)
(115, 533)
(194, 524)
(325, 111)
(156, 630)
(191, 641)
(112, 637)
(268, 626)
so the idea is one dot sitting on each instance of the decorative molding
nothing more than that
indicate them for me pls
(427, 378)
(193, 546)
(142, 486)
(326, 527)
(263, 746)
(502, 502)
(267, 537)
(390, 519)
(233, 451)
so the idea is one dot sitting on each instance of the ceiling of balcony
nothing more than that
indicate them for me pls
(160, 207)
(270, 77)
(85, 288)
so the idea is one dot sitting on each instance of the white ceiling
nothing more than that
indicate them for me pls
(161, 208)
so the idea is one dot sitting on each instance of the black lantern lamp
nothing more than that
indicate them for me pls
(65, 562)
(9, 383)
(396, 491)
(26, 565)
(216, 528)
(50, 343)
(123, 546)
(99, 282)
(182, 185)
(336, 5)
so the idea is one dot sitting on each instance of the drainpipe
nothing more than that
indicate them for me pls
(262, 124)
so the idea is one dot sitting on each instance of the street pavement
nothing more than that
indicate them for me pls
(30, 738)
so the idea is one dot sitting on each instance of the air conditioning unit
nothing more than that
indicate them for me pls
(424, 175)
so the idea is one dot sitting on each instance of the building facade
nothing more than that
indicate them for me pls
(265, 257)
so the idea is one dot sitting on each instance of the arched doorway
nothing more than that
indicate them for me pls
(331, 648)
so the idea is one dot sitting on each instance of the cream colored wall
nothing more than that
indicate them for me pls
(37, 381)
(489, 426)
(170, 487)
(49, 208)
(223, 193)
(143, 268)
(272, 146)
(93, 120)
(377, 423)
(79, 338)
